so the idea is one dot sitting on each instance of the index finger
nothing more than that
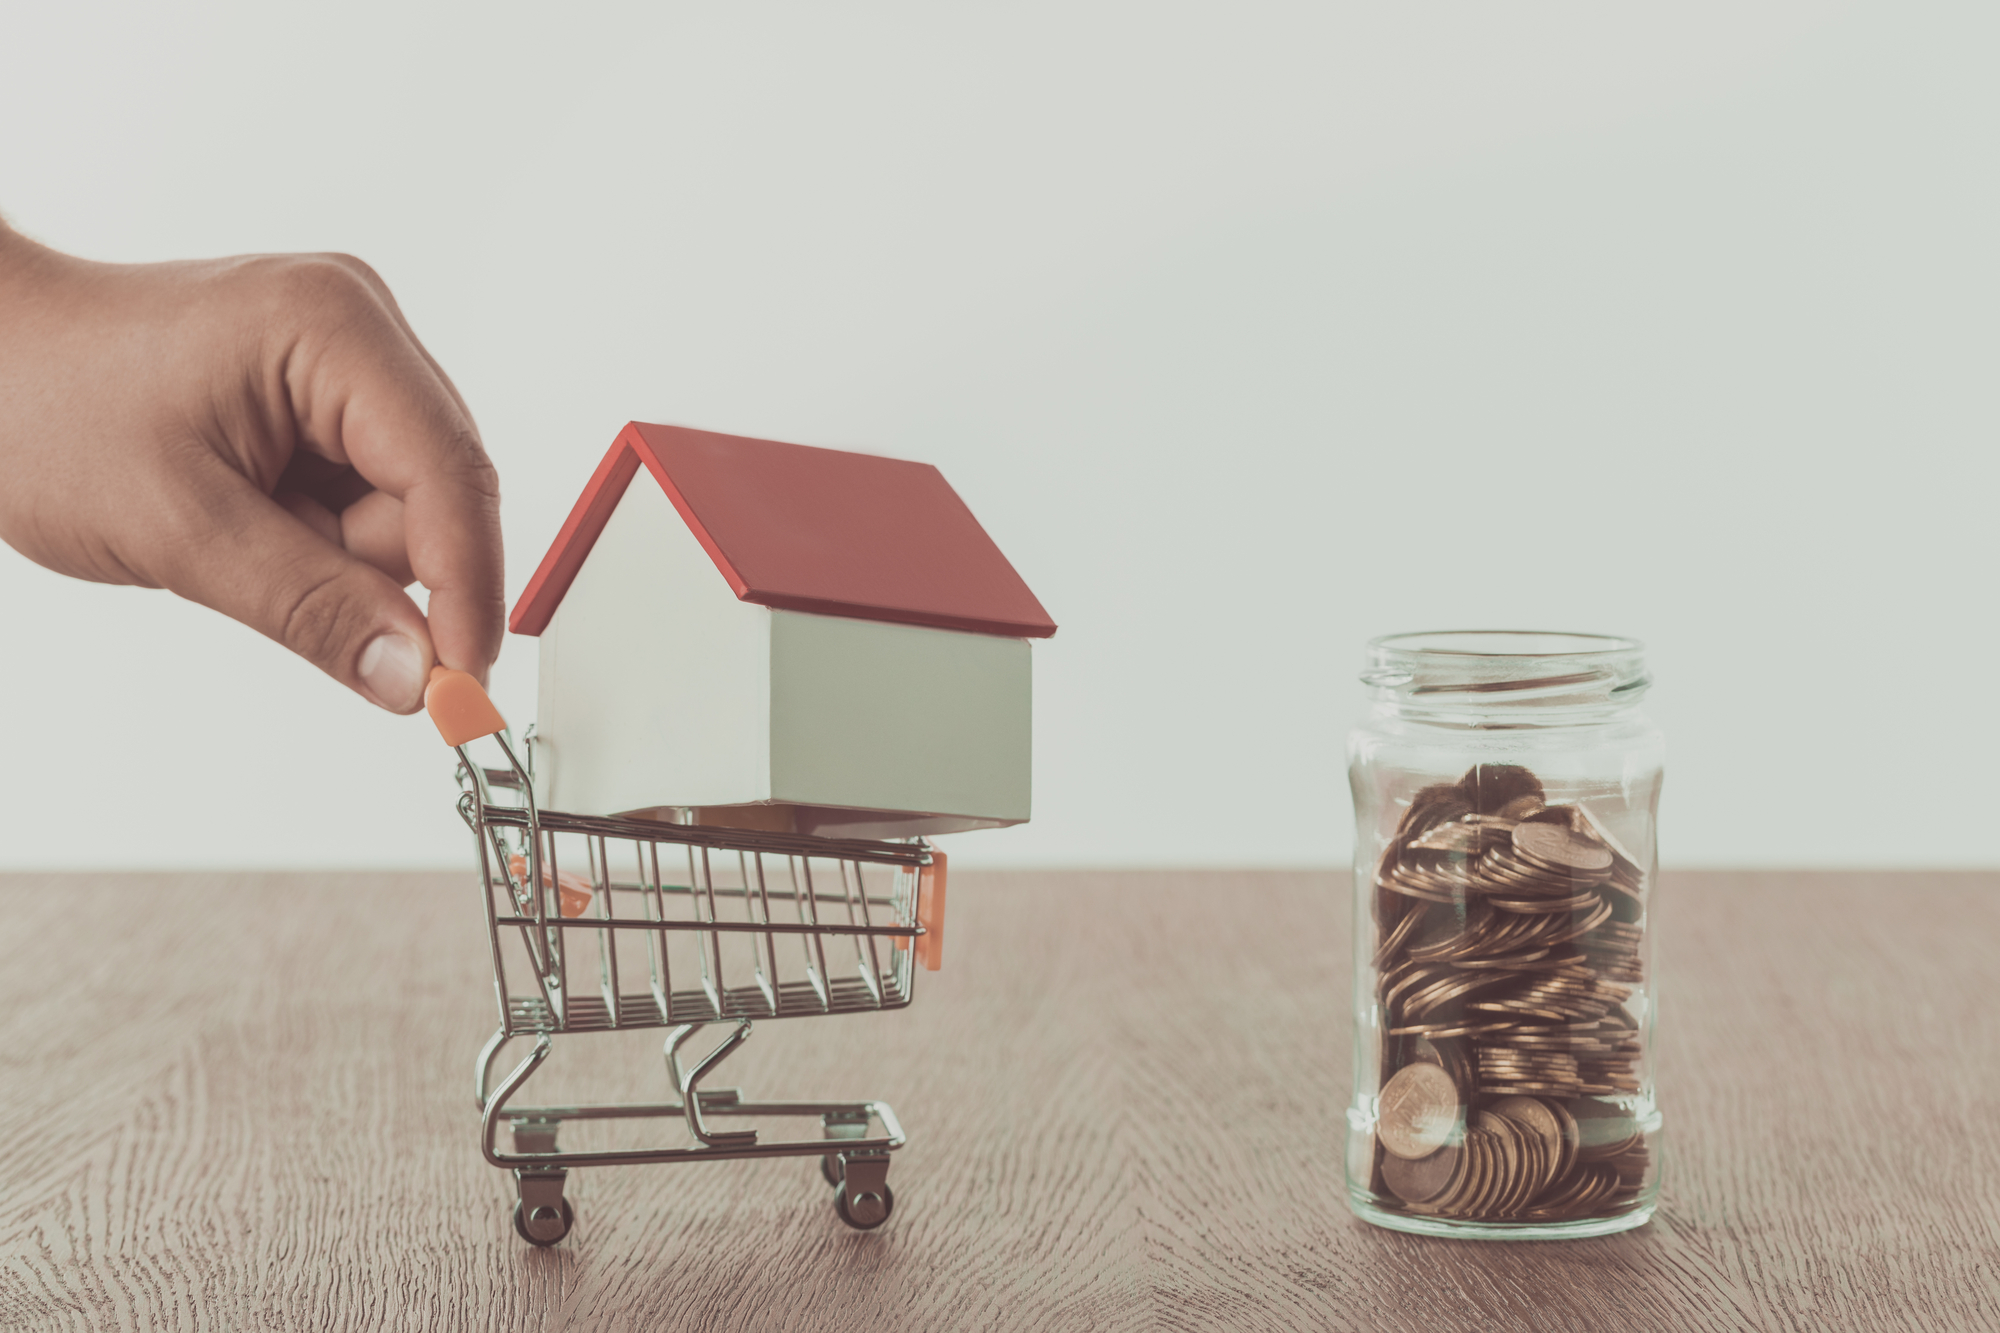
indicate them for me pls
(368, 393)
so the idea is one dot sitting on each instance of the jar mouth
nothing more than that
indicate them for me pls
(1495, 668)
(1505, 643)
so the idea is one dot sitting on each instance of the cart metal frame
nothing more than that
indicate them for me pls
(830, 888)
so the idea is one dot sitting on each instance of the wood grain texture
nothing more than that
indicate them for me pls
(244, 1102)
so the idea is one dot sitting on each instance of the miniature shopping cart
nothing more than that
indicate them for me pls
(678, 926)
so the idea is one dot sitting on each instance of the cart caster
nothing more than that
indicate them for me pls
(866, 1210)
(544, 1228)
(542, 1216)
(838, 1125)
(862, 1196)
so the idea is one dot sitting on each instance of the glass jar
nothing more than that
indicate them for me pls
(1505, 789)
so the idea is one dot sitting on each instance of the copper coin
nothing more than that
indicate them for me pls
(1453, 837)
(1593, 826)
(1424, 1179)
(1510, 1162)
(1517, 1164)
(1456, 1028)
(1419, 1111)
(1411, 922)
(1551, 1062)
(1603, 1129)
(1473, 1181)
(1572, 1140)
(1492, 786)
(1469, 1162)
(1397, 985)
(1506, 1001)
(1555, 845)
(1506, 1161)
(1422, 1050)
(1536, 1115)
(1434, 805)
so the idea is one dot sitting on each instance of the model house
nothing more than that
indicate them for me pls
(765, 635)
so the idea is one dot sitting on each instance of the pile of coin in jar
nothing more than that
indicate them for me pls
(1509, 941)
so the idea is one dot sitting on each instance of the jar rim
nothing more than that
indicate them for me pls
(1549, 673)
(1505, 643)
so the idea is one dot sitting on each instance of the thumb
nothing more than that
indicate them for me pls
(257, 563)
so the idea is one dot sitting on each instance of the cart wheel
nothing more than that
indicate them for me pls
(522, 1223)
(829, 1166)
(864, 1212)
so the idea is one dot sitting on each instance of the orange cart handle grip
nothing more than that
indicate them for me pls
(930, 913)
(459, 708)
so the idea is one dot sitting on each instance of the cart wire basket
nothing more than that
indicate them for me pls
(680, 927)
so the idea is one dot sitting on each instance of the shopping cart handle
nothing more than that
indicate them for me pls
(930, 913)
(459, 707)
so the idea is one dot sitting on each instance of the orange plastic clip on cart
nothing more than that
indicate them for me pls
(679, 927)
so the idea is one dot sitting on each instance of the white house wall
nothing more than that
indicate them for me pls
(655, 679)
(898, 717)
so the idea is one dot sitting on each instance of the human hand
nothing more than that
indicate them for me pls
(263, 435)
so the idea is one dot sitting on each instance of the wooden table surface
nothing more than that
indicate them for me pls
(244, 1102)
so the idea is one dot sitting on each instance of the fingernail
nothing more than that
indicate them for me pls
(392, 667)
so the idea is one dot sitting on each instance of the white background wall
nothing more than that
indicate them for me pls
(1250, 330)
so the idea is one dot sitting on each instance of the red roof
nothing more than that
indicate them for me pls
(805, 529)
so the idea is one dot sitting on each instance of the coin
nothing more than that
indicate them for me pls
(1534, 1114)
(1509, 1162)
(1436, 804)
(1553, 1066)
(1604, 1130)
(1554, 845)
(1590, 823)
(1507, 1159)
(1412, 921)
(1583, 902)
(1455, 1028)
(1424, 1178)
(1451, 837)
(1632, 1164)
(1474, 1182)
(1419, 1111)
(1421, 1048)
(1429, 999)
(1571, 1140)
(1492, 786)
(1510, 934)
(1403, 977)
